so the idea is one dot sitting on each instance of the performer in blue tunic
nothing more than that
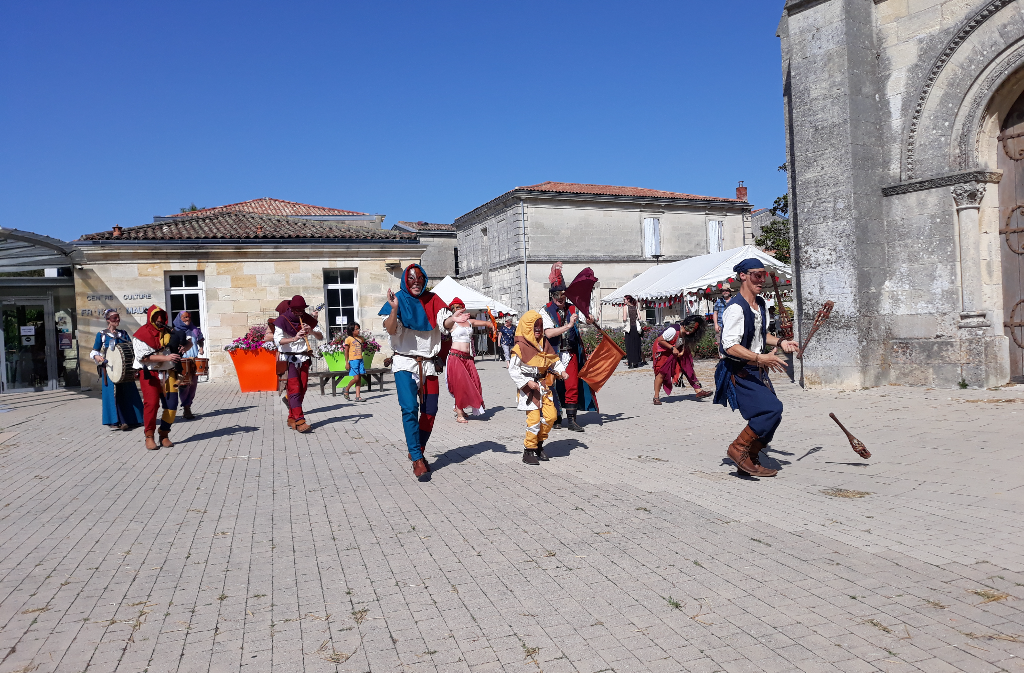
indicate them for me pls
(122, 405)
(741, 378)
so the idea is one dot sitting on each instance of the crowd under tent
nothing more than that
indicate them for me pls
(702, 278)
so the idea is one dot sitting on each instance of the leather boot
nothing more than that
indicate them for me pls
(540, 451)
(530, 457)
(420, 469)
(755, 452)
(150, 444)
(573, 425)
(188, 415)
(165, 441)
(558, 422)
(739, 453)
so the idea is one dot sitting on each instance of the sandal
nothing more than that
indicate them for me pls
(302, 426)
(346, 394)
(657, 402)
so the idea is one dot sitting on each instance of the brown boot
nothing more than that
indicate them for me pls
(739, 453)
(540, 452)
(165, 441)
(420, 469)
(188, 415)
(530, 457)
(755, 453)
(150, 444)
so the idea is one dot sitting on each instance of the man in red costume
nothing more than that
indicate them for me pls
(158, 379)
(560, 327)
(291, 331)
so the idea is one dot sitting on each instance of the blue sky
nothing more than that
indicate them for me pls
(113, 112)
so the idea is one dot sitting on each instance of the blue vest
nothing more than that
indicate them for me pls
(748, 329)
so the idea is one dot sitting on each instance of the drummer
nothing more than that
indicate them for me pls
(122, 406)
(187, 393)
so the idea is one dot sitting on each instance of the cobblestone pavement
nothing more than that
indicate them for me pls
(636, 548)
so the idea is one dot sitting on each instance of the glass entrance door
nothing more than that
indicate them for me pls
(27, 353)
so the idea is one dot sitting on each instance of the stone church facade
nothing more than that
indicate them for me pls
(905, 147)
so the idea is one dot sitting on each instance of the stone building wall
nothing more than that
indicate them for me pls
(891, 107)
(605, 235)
(240, 291)
(439, 258)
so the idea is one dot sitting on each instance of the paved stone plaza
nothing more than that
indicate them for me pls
(636, 548)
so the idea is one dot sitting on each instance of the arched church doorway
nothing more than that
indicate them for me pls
(1011, 230)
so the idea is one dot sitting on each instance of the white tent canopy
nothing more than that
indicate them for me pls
(669, 281)
(449, 289)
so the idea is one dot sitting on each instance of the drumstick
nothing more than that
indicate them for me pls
(857, 445)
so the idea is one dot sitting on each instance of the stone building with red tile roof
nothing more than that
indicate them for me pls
(441, 257)
(507, 245)
(269, 206)
(230, 268)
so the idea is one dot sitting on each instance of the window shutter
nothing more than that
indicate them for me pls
(652, 236)
(715, 234)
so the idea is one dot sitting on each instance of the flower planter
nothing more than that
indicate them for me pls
(257, 370)
(336, 362)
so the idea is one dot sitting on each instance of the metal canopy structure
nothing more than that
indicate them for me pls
(25, 251)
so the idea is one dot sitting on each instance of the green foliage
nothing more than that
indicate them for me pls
(33, 273)
(706, 348)
(192, 207)
(775, 237)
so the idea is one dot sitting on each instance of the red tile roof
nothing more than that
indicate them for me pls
(202, 224)
(577, 188)
(268, 206)
(426, 226)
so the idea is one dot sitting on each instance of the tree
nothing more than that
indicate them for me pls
(189, 209)
(775, 236)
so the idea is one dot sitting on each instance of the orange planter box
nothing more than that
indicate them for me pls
(257, 370)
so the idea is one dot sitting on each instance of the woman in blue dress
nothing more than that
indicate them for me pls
(122, 405)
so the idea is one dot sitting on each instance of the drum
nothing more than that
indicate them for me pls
(119, 363)
(203, 369)
(188, 371)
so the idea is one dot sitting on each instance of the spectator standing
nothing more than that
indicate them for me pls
(720, 305)
(508, 336)
(633, 330)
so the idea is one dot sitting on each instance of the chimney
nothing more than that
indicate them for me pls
(117, 231)
(741, 192)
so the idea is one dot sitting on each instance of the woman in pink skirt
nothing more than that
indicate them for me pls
(460, 371)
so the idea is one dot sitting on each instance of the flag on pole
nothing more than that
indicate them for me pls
(602, 363)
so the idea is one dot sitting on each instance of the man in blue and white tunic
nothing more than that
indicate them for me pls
(742, 376)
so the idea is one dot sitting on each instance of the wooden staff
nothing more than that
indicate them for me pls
(855, 443)
(819, 320)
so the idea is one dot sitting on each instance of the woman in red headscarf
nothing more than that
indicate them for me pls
(460, 372)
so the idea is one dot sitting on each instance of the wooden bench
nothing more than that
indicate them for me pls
(335, 378)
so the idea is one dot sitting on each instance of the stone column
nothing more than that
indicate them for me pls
(968, 198)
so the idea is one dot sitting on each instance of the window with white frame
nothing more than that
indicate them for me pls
(340, 299)
(716, 231)
(185, 292)
(652, 237)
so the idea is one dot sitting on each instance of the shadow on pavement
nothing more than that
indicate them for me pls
(355, 418)
(809, 452)
(220, 432)
(603, 418)
(456, 456)
(488, 413)
(561, 448)
(223, 412)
